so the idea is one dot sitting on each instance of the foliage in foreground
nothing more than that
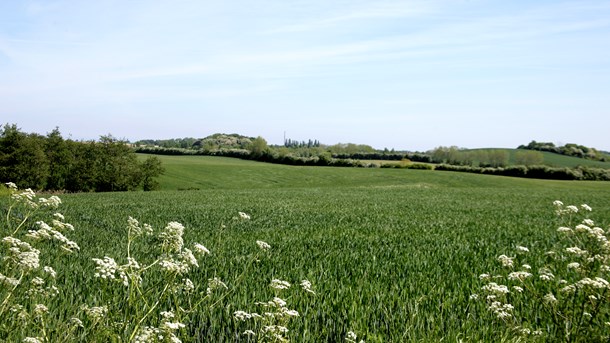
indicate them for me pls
(146, 299)
(561, 294)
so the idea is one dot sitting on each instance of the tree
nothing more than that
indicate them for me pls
(528, 157)
(22, 158)
(258, 146)
(151, 168)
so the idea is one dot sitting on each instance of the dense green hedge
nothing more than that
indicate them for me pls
(536, 172)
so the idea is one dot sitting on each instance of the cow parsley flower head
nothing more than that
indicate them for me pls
(505, 260)
(521, 275)
(586, 207)
(214, 284)
(263, 245)
(522, 249)
(200, 249)
(279, 284)
(306, 285)
(550, 298)
(171, 237)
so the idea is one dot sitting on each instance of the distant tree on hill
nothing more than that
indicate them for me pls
(258, 147)
(528, 157)
(571, 149)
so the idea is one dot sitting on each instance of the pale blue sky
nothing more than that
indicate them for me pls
(409, 75)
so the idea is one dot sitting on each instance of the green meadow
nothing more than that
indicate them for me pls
(392, 255)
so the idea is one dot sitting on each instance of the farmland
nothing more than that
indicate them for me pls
(392, 255)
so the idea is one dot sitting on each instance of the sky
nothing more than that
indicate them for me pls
(404, 75)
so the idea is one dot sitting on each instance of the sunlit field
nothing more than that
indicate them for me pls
(392, 255)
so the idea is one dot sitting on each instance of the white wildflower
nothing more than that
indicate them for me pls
(173, 326)
(200, 249)
(172, 266)
(306, 285)
(249, 333)
(8, 281)
(171, 237)
(33, 340)
(187, 285)
(588, 222)
(557, 203)
(576, 251)
(550, 298)
(50, 271)
(39, 309)
(564, 229)
(96, 312)
(484, 276)
(188, 257)
(279, 284)
(571, 209)
(545, 274)
(505, 260)
(521, 275)
(586, 207)
(263, 245)
(522, 248)
(76, 322)
(574, 265)
(244, 216)
(518, 289)
(527, 266)
(214, 284)
(493, 287)
(473, 296)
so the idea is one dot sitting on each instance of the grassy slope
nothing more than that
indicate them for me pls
(393, 254)
(207, 172)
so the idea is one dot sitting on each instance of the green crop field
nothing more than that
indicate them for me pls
(392, 255)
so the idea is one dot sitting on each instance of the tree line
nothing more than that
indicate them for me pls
(571, 149)
(52, 163)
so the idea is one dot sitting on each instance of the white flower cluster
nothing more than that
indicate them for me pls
(505, 260)
(351, 337)
(8, 281)
(46, 232)
(275, 316)
(279, 284)
(502, 311)
(493, 287)
(134, 227)
(171, 237)
(108, 269)
(263, 245)
(165, 333)
(520, 275)
(22, 254)
(214, 284)
(306, 285)
(95, 313)
(244, 216)
(562, 210)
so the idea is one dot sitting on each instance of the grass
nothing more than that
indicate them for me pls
(392, 254)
